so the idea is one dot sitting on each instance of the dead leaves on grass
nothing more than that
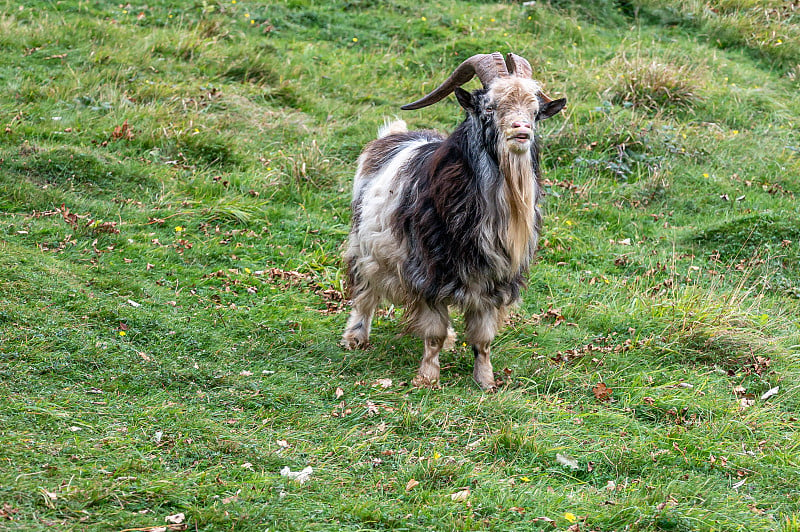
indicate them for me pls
(232, 278)
(605, 346)
(81, 223)
(8, 512)
(122, 132)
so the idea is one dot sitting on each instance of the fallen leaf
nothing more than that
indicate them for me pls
(122, 132)
(746, 402)
(231, 498)
(372, 409)
(411, 484)
(298, 476)
(602, 392)
(567, 461)
(245, 373)
(769, 393)
(175, 519)
(383, 383)
(283, 443)
(8, 511)
(339, 392)
(460, 496)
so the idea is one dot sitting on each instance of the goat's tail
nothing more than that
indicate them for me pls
(392, 127)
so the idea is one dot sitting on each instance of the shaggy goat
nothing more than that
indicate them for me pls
(451, 221)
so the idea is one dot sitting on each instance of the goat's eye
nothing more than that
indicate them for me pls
(489, 109)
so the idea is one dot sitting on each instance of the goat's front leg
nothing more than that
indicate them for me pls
(481, 328)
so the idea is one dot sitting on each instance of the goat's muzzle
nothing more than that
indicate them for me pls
(519, 139)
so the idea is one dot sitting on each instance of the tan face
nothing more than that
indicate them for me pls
(515, 104)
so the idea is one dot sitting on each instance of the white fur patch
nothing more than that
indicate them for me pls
(392, 127)
(379, 254)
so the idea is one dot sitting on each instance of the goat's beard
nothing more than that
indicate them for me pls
(520, 181)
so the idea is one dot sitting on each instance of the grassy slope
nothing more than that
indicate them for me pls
(178, 364)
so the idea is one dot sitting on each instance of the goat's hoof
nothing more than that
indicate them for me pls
(485, 380)
(424, 382)
(487, 387)
(354, 341)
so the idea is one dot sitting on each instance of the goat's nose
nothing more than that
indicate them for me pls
(519, 124)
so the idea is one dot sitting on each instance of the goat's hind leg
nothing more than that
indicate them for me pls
(359, 324)
(481, 328)
(433, 325)
(450, 339)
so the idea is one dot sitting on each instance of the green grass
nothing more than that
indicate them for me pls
(174, 199)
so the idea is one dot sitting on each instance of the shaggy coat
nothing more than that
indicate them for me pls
(454, 221)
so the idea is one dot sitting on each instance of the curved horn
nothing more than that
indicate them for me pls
(518, 65)
(485, 66)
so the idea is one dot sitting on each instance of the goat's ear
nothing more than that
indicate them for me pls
(464, 99)
(550, 108)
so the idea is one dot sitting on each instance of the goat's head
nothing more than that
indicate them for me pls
(508, 106)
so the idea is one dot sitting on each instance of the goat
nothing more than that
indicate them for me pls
(451, 221)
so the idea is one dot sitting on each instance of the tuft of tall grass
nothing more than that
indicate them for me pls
(655, 84)
(306, 166)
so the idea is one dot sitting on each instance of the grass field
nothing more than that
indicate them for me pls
(174, 199)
